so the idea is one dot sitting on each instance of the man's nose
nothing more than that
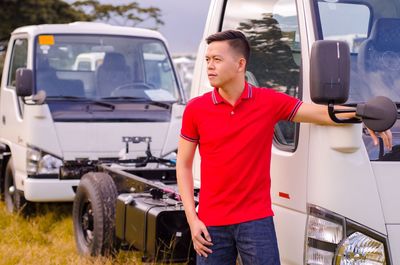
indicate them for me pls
(210, 64)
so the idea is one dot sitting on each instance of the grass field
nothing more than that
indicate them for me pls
(46, 237)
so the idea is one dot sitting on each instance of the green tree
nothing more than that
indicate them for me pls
(16, 13)
(130, 14)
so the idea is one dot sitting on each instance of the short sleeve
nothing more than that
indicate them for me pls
(189, 129)
(286, 106)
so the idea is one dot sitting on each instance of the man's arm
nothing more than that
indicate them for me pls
(318, 114)
(186, 151)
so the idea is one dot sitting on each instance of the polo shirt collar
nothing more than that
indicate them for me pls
(246, 94)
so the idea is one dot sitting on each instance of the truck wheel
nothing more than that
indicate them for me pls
(13, 198)
(94, 215)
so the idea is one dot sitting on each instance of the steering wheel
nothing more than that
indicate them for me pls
(134, 85)
(130, 88)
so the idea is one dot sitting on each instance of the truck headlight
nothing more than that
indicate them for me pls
(360, 249)
(334, 239)
(39, 162)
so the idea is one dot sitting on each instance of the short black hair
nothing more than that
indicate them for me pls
(236, 39)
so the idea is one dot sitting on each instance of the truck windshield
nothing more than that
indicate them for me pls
(104, 67)
(372, 30)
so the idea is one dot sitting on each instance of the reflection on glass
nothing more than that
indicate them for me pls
(98, 67)
(372, 30)
(353, 18)
(272, 30)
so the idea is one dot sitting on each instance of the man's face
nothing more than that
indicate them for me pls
(223, 63)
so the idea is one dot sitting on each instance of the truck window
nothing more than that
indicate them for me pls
(18, 59)
(158, 67)
(371, 28)
(356, 17)
(3, 50)
(272, 29)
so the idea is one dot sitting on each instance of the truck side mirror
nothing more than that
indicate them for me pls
(24, 82)
(330, 72)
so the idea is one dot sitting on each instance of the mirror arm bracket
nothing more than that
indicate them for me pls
(332, 114)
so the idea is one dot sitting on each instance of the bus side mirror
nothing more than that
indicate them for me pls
(330, 72)
(24, 82)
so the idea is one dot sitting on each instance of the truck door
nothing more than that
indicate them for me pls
(272, 28)
(11, 107)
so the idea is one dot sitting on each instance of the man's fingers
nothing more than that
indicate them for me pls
(206, 234)
(387, 139)
(390, 139)
(201, 252)
(201, 240)
(373, 136)
(201, 244)
(201, 249)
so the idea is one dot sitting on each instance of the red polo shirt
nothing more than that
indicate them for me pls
(235, 149)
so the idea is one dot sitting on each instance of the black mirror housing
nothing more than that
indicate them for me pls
(330, 72)
(378, 114)
(24, 82)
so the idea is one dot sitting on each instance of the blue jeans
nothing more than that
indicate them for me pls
(255, 241)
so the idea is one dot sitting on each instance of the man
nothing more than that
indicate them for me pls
(233, 126)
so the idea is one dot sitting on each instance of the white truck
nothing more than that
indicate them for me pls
(335, 195)
(69, 93)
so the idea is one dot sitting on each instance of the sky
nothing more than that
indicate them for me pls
(184, 21)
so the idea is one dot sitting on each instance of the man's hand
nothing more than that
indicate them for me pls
(201, 238)
(386, 137)
(318, 114)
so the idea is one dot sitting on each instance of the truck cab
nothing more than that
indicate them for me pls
(335, 195)
(85, 87)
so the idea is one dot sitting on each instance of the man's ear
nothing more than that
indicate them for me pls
(242, 65)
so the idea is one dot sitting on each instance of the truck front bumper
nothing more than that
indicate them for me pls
(50, 190)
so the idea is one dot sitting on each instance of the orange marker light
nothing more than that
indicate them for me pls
(46, 40)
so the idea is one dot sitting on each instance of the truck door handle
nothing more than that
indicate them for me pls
(3, 120)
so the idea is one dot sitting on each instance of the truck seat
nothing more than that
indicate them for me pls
(382, 48)
(112, 73)
(379, 54)
(47, 80)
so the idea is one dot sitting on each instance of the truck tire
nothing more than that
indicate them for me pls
(94, 215)
(14, 199)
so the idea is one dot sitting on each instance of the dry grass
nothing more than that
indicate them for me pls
(46, 237)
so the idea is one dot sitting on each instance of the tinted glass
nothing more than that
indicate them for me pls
(97, 67)
(18, 59)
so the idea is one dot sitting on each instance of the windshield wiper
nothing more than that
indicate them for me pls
(162, 104)
(65, 97)
(91, 101)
